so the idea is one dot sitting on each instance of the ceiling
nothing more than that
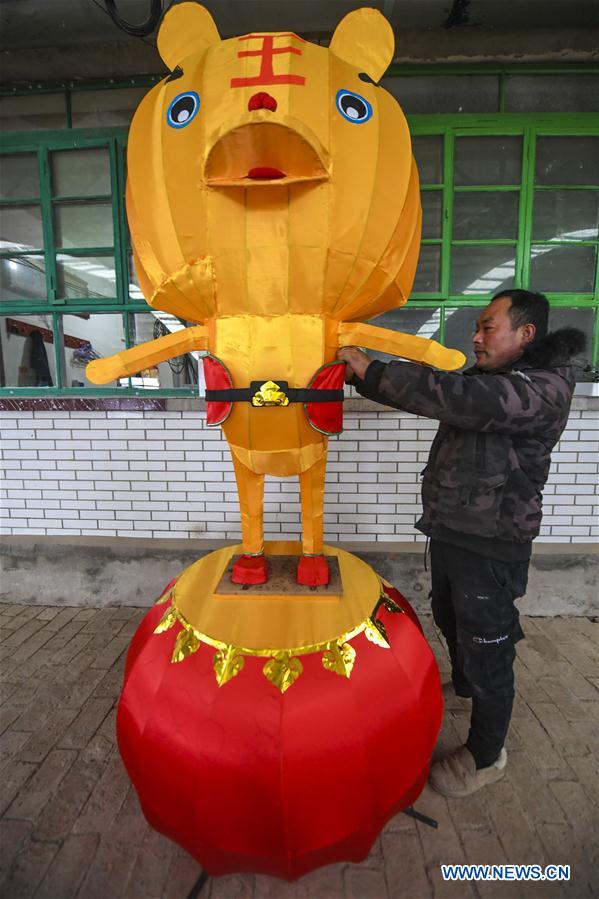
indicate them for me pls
(56, 23)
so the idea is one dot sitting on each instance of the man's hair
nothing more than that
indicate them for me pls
(528, 308)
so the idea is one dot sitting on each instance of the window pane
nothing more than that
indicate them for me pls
(134, 288)
(110, 107)
(551, 93)
(562, 269)
(485, 216)
(28, 351)
(86, 338)
(481, 270)
(565, 215)
(32, 113)
(432, 208)
(23, 278)
(567, 160)
(21, 228)
(18, 176)
(85, 277)
(81, 173)
(428, 273)
(428, 152)
(80, 225)
(181, 371)
(459, 330)
(422, 322)
(583, 319)
(444, 93)
(488, 160)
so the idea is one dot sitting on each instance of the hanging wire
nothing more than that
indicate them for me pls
(144, 28)
(101, 6)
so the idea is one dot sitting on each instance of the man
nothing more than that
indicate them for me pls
(481, 496)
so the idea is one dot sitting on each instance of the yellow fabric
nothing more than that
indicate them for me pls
(132, 361)
(271, 267)
(280, 463)
(408, 346)
(250, 488)
(181, 35)
(311, 494)
(273, 440)
(317, 234)
(365, 39)
(275, 622)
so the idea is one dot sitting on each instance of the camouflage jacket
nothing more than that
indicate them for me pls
(490, 458)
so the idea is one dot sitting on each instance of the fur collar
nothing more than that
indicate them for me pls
(555, 349)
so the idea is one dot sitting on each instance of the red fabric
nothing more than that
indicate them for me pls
(265, 173)
(312, 571)
(403, 603)
(262, 100)
(217, 378)
(246, 778)
(250, 570)
(327, 417)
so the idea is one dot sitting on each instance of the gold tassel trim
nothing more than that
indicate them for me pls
(283, 666)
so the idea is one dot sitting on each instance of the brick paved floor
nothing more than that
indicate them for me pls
(71, 825)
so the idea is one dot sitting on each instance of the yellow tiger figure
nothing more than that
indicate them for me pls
(273, 198)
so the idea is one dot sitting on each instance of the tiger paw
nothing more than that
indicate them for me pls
(250, 570)
(312, 571)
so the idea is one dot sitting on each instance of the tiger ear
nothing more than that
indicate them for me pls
(364, 38)
(186, 28)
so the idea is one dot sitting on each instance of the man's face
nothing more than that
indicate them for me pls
(495, 342)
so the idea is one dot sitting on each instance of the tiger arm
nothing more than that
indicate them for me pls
(396, 343)
(147, 355)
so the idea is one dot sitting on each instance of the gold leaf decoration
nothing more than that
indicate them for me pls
(381, 629)
(339, 658)
(283, 670)
(283, 666)
(375, 632)
(167, 621)
(185, 645)
(270, 394)
(165, 597)
(390, 604)
(227, 663)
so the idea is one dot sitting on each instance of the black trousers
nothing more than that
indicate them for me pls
(473, 604)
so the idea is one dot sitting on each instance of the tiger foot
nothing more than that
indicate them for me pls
(312, 571)
(250, 570)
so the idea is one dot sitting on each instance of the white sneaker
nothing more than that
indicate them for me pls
(457, 775)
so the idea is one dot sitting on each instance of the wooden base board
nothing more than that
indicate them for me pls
(281, 580)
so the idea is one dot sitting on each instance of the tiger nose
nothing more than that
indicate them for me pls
(262, 100)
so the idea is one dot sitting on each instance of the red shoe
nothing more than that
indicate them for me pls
(250, 570)
(312, 571)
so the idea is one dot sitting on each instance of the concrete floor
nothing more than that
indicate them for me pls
(71, 825)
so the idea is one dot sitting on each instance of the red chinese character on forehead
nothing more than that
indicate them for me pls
(266, 53)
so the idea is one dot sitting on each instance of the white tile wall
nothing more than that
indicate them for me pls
(164, 474)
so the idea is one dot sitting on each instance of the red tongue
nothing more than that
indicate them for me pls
(265, 172)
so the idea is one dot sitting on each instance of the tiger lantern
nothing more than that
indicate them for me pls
(273, 203)
(273, 200)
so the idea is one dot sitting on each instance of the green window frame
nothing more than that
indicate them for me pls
(448, 128)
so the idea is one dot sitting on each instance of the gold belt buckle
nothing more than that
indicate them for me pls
(270, 394)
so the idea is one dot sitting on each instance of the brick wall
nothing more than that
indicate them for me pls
(164, 474)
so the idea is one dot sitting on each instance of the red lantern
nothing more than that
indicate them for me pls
(249, 778)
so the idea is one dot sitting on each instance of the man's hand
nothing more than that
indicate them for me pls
(356, 362)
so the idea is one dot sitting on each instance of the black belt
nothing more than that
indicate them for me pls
(273, 393)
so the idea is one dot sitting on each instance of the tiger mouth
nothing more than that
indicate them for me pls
(263, 154)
